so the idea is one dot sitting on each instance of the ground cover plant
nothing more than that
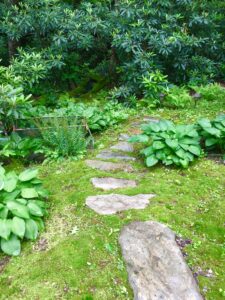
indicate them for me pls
(213, 133)
(169, 143)
(22, 208)
(180, 144)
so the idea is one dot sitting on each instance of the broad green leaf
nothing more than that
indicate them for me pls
(29, 193)
(21, 201)
(160, 154)
(40, 224)
(3, 212)
(2, 171)
(31, 231)
(185, 146)
(154, 127)
(11, 246)
(42, 192)
(5, 229)
(168, 162)
(151, 161)
(213, 131)
(28, 174)
(36, 181)
(181, 153)
(139, 138)
(204, 123)
(147, 151)
(10, 184)
(2, 184)
(18, 227)
(192, 133)
(184, 163)
(195, 150)
(210, 142)
(34, 209)
(158, 145)
(172, 143)
(18, 210)
(11, 196)
(189, 141)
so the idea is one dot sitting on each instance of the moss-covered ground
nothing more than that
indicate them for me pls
(78, 256)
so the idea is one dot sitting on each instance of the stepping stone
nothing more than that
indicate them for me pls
(109, 166)
(145, 120)
(151, 119)
(106, 154)
(124, 137)
(109, 183)
(155, 264)
(123, 146)
(111, 204)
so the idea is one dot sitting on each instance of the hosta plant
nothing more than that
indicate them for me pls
(22, 208)
(213, 132)
(169, 143)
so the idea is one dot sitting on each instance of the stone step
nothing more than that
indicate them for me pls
(109, 166)
(110, 183)
(156, 267)
(107, 154)
(113, 203)
(145, 120)
(123, 146)
(124, 137)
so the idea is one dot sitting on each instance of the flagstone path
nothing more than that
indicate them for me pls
(155, 265)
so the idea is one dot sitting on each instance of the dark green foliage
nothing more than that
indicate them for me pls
(13, 105)
(16, 146)
(60, 133)
(169, 143)
(97, 118)
(177, 97)
(211, 92)
(123, 41)
(213, 132)
(22, 208)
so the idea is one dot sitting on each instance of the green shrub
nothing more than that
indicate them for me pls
(211, 92)
(155, 86)
(97, 118)
(62, 137)
(22, 208)
(19, 147)
(213, 132)
(13, 105)
(177, 97)
(169, 143)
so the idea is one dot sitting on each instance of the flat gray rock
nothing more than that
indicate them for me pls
(123, 146)
(151, 119)
(106, 154)
(109, 166)
(111, 204)
(109, 183)
(124, 137)
(145, 120)
(155, 264)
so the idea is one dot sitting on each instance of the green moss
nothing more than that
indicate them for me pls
(83, 259)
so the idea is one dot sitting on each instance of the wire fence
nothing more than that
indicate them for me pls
(33, 127)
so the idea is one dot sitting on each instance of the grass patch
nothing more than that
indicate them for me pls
(82, 259)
